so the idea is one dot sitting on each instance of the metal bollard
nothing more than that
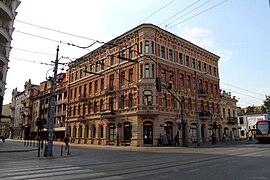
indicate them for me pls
(68, 153)
(30, 142)
(24, 143)
(61, 150)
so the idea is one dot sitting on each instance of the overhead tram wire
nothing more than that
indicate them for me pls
(31, 61)
(179, 12)
(198, 14)
(156, 12)
(188, 12)
(50, 29)
(243, 89)
(243, 94)
(49, 39)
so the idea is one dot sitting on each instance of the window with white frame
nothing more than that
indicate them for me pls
(146, 47)
(147, 97)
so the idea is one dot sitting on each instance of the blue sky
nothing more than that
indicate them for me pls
(236, 30)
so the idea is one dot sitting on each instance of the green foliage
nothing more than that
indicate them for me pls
(266, 104)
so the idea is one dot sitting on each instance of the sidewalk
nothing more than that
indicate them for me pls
(13, 146)
(23, 146)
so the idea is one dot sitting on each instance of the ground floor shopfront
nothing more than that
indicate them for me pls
(143, 131)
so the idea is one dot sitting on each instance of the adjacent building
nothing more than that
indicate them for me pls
(7, 17)
(228, 117)
(247, 122)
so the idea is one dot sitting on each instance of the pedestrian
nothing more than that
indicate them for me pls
(66, 141)
(176, 140)
(213, 138)
(169, 138)
(224, 139)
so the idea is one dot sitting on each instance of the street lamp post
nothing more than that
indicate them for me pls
(52, 107)
(197, 109)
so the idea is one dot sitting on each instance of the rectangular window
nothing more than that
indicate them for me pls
(122, 105)
(164, 100)
(153, 47)
(153, 71)
(122, 80)
(241, 119)
(188, 82)
(210, 69)
(180, 58)
(112, 60)
(187, 61)
(171, 76)
(95, 106)
(189, 104)
(215, 71)
(130, 75)
(84, 90)
(130, 55)
(147, 70)
(181, 80)
(162, 51)
(163, 75)
(130, 102)
(102, 64)
(102, 84)
(90, 88)
(96, 86)
(204, 67)
(146, 44)
(200, 65)
(170, 55)
(141, 71)
(111, 103)
(193, 63)
(101, 105)
(96, 66)
(111, 82)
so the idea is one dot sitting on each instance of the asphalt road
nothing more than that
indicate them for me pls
(239, 161)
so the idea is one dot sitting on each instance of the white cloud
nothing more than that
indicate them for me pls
(199, 36)
(226, 55)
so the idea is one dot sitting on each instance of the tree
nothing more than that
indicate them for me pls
(266, 104)
(250, 109)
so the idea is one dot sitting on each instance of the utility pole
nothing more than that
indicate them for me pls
(52, 107)
(197, 110)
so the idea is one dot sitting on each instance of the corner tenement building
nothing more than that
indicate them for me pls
(114, 100)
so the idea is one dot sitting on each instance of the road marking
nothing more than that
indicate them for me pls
(191, 171)
(53, 172)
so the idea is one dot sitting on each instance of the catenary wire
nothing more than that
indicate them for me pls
(242, 89)
(179, 12)
(59, 31)
(156, 11)
(188, 12)
(198, 14)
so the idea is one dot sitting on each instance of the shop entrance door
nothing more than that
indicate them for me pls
(148, 132)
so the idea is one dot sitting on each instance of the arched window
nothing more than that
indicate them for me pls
(147, 97)
(146, 44)
(127, 131)
(111, 132)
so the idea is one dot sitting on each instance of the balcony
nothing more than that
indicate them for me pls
(4, 35)
(202, 92)
(6, 11)
(232, 120)
(204, 115)
(110, 89)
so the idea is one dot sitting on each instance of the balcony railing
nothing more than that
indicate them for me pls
(203, 92)
(107, 112)
(232, 120)
(110, 89)
(204, 114)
